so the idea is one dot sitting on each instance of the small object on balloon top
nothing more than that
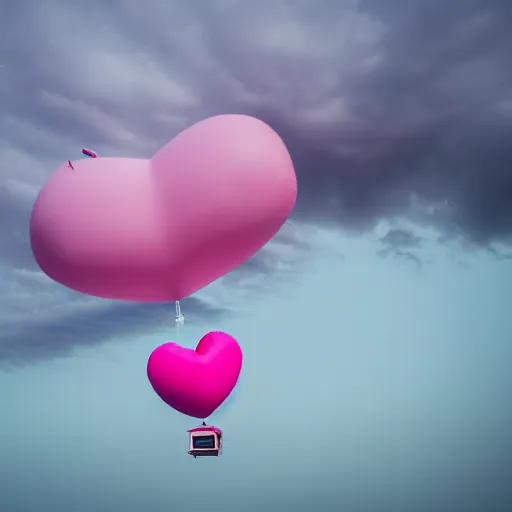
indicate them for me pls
(89, 152)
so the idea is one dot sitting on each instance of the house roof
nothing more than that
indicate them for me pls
(206, 429)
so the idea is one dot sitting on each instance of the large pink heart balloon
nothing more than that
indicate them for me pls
(196, 382)
(161, 229)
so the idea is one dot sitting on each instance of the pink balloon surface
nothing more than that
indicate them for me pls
(196, 382)
(158, 230)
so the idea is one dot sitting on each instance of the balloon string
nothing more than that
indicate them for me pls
(180, 319)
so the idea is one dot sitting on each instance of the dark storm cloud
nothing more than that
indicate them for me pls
(14, 239)
(420, 94)
(429, 124)
(401, 238)
(398, 244)
(401, 255)
(44, 338)
(387, 108)
(499, 254)
(48, 330)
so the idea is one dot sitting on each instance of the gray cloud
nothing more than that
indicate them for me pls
(41, 319)
(410, 103)
(387, 109)
(401, 254)
(398, 244)
(401, 238)
(49, 337)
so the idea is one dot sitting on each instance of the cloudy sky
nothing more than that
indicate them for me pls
(375, 326)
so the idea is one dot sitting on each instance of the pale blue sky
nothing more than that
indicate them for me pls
(394, 383)
(375, 326)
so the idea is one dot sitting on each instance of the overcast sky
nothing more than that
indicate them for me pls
(375, 326)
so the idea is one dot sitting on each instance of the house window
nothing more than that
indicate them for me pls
(204, 442)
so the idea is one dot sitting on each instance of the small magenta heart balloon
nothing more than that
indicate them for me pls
(158, 230)
(196, 382)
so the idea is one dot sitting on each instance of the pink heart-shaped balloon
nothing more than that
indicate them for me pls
(160, 229)
(196, 382)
